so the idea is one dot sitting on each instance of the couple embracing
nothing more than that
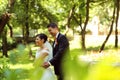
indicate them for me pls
(55, 56)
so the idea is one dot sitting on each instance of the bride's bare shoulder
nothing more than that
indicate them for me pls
(46, 49)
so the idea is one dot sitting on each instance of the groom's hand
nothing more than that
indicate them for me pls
(45, 65)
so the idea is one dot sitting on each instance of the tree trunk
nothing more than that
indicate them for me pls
(26, 31)
(4, 43)
(26, 28)
(3, 21)
(26, 37)
(110, 31)
(11, 31)
(83, 40)
(85, 25)
(78, 22)
(116, 27)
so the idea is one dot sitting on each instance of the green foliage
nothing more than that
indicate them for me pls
(19, 55)
(107, 69)
(37, 15)
(3, 6)
(13, 74)
(99, 67)
(3, 68)
(105, 7)
(79, 70)
(36, 73)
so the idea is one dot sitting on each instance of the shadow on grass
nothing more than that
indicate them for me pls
(97, 48)
(91, 49)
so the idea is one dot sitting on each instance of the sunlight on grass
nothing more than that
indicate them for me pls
(27, 66)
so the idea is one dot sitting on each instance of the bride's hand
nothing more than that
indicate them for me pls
(45, 65)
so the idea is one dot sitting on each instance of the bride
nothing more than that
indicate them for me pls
(43, 54)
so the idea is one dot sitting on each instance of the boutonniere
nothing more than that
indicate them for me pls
(56, 42)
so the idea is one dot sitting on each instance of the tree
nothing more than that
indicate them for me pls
(4, 20)
(117, 2)
(85, 24)
(82, 17)
(70, 15)
(114, 20)
(30, 14)
(26, 28)
(4, 43)
(110, 31)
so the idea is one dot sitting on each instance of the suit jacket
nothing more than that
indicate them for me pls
(60, 52)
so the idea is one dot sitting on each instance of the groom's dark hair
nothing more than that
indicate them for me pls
(42, 36)
(53, 25)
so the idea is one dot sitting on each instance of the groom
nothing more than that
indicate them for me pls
(60, 51)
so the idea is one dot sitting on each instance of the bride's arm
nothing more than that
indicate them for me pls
(42, 57)
(39, 61)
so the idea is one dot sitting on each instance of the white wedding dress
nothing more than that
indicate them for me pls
(48, 73)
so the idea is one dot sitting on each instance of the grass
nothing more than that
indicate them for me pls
(93, 44)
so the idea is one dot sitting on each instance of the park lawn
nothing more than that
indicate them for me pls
(92, 48)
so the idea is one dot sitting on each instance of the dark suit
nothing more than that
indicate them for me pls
(60, 52)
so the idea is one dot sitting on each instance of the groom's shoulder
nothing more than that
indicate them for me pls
(62, 35)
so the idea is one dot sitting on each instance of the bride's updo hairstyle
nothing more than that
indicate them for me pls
(42, 36)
